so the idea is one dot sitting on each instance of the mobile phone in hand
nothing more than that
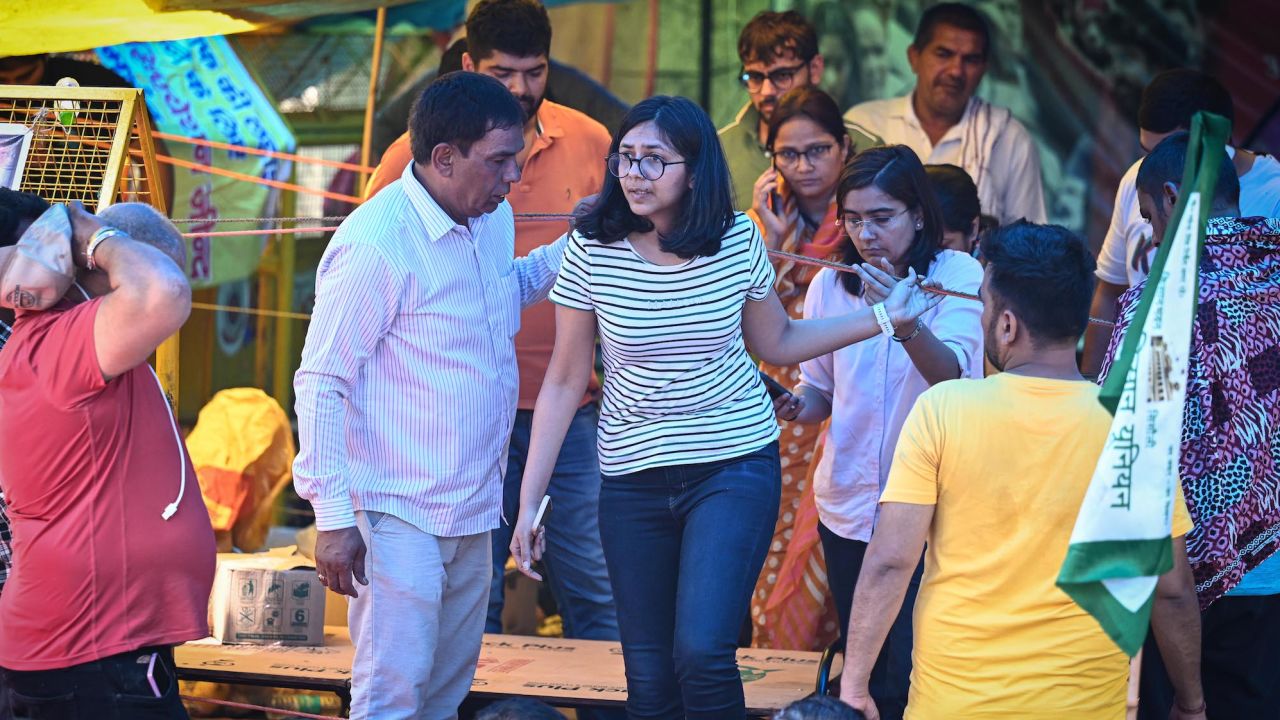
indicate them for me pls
(774, 388)
(775, 197)
(544, 509)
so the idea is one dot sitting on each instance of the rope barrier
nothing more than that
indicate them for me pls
(339, 218)
(522, 217)
(272, 231)
(251, 311)
(264, 153)
(187, 164)
(259, 708)
(841, 267)
(778, 254)
(259, 220)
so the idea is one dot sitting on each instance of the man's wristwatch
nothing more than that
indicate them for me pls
(98, 237)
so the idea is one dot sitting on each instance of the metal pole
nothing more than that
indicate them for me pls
(704, 60)
(366, 142)
(651, 69)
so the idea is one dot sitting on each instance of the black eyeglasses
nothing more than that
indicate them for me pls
(782, 78)
(787, 157)
(652, 167)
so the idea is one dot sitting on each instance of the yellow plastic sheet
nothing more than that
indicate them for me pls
(41, 26)
(28, 27)
(242, 449)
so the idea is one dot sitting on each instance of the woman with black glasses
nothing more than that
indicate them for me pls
(675, 281)
(795, 207)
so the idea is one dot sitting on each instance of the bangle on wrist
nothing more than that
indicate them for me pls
(99, 236)
(894, 335)
(882, 318)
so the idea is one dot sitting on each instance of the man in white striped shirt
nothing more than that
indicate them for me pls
(406, 397)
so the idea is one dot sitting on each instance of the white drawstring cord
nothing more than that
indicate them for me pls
(172, 507)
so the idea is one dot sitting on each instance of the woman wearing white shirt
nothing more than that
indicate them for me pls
(677, 284)
(892, 220)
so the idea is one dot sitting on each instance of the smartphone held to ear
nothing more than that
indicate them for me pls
(775, 197)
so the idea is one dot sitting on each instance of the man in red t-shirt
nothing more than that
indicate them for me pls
(114, 553)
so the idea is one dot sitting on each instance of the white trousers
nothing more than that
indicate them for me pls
(417, 626)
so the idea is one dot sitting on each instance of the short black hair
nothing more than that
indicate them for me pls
(1166, 162)
(515, 27)
(807, 101)
(1174, 96)
(956, 15)
(451, 58)
(707, 212)
(459, 108)
(15, 208)
(957, 196)
(817, 707)
(771, 34)
(519, 708)
(896, 171)
(1044, 275)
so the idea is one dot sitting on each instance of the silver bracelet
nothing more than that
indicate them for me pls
(914, 333)
(99, 236)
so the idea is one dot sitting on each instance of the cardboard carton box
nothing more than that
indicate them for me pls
(269, 598)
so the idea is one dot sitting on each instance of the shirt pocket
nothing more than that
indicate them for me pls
(506, 299)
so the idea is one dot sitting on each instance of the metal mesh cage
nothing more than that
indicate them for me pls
(307, 71)
(88, 144)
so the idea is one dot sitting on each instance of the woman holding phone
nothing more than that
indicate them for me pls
(795, 208)
(891, 219)
(677, 284)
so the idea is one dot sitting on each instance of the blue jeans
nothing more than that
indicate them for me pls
(685, 544)
(574, 562)
(891, 676)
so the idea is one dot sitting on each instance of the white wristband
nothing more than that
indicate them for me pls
(882, 317)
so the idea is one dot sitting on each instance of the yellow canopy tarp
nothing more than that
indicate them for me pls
(28, 27)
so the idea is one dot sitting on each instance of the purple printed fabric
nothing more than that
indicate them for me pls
(1231, 428)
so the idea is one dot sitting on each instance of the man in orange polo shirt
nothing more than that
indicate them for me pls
(562, 162)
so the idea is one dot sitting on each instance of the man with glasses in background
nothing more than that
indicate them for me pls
(779, 51)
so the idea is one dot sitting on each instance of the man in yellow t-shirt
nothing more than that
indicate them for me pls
(992, 474)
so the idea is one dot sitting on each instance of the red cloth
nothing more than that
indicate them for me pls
(827, 237)
(87, 468)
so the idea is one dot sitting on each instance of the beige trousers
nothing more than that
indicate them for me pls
(417, 626)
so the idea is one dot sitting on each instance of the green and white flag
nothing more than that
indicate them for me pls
(1121, 541)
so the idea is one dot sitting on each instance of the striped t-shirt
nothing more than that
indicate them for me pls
(679, 387)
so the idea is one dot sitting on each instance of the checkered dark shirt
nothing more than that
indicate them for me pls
(6, 553)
